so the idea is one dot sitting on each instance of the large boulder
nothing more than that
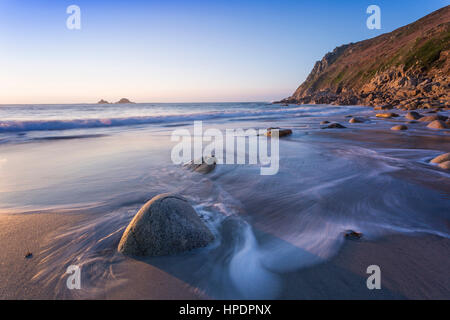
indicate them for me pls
(165, 225)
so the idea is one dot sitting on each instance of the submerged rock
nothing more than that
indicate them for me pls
(205, 167)
(352, 235)
(165, 225)
(335, 126)
(399, 127)
(437, 124)
(442, 158)
(281, 132)
(325, 122)
(413, 115)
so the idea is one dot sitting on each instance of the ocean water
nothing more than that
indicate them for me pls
(106, 161)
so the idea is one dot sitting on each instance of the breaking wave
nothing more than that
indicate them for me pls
(67, 124)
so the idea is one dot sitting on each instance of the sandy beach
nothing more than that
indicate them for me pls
(402, 257)
(283, 242)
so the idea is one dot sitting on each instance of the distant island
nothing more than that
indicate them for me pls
(121, 101)
(407, 67)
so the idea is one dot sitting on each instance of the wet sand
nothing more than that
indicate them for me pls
(412, 267)
(20, 234)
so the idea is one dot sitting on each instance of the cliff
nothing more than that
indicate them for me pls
(408, 66)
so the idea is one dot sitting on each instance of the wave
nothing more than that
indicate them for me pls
(44, 125)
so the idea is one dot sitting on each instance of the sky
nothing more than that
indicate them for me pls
(178, 51)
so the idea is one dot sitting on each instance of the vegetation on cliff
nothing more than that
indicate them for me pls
(409, 65)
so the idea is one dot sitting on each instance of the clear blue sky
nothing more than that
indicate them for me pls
(162, 51)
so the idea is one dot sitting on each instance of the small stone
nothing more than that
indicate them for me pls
(399, 127)
(385, 107)
(206, 166)
(353, 235)
(433, 118)
(281, 132)
(335, 126)
(356, 120)
(445, 165)
(442, 158)
(437, 124)
(387, 115)
(29, 255)
(412, 115)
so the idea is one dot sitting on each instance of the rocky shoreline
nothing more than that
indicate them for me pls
(391, 88)
(407, 69)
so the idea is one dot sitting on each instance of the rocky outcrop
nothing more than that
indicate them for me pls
(165, 225)
(123, 101)
(103, 102)
(407, 68)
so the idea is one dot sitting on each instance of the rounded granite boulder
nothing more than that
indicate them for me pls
(165, 225)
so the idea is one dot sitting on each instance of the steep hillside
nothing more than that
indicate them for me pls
(408, 66)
